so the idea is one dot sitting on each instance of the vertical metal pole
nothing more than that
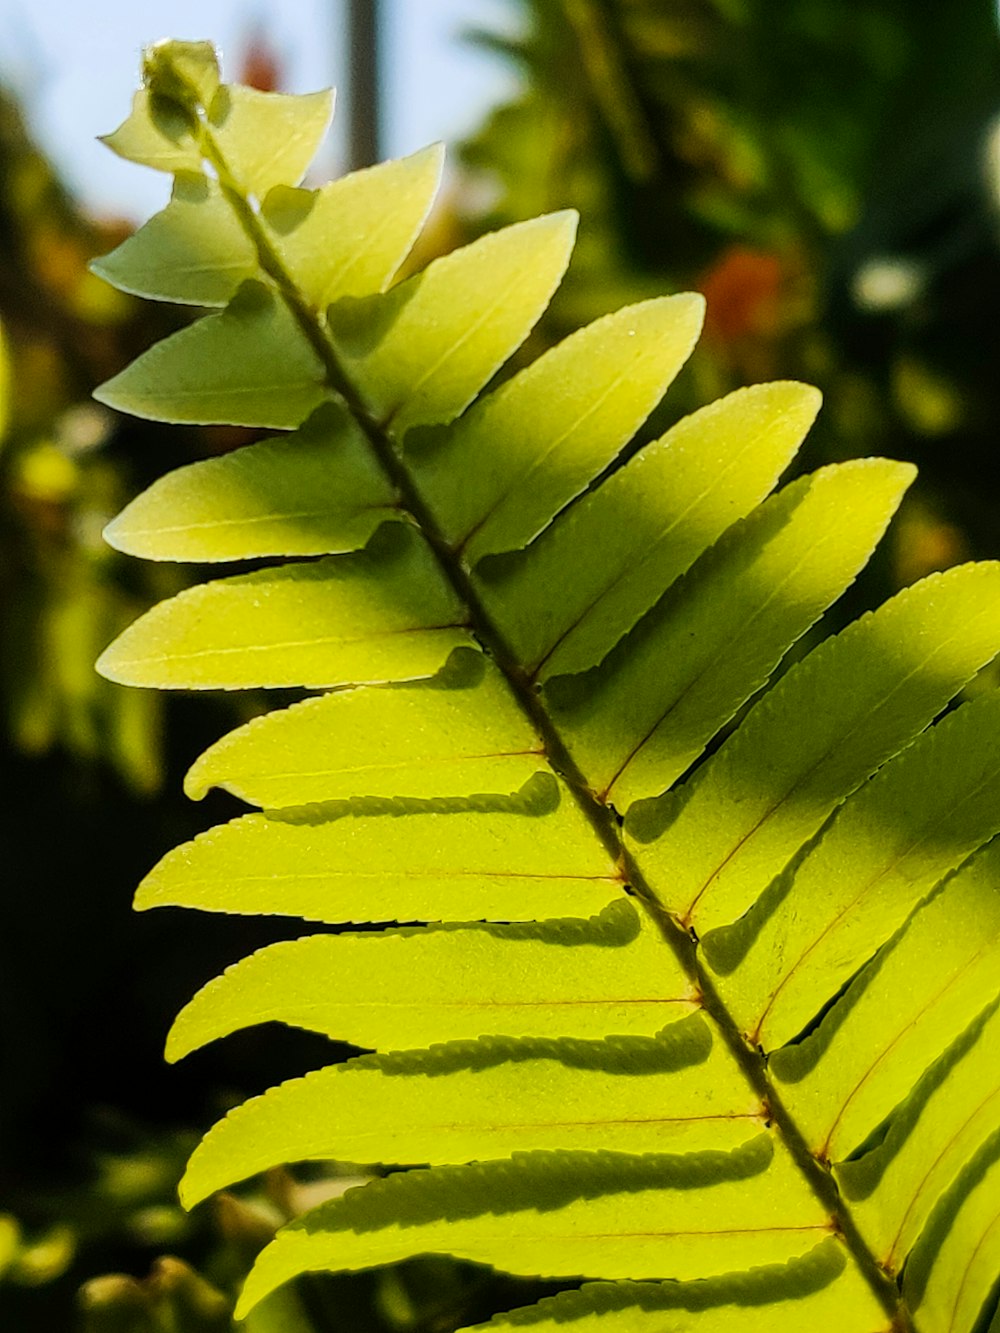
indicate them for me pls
(364, 129)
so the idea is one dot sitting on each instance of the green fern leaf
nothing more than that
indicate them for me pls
(477, 1100)
(916, 821)
(722, 1033)
(459, 733)
(414, 987)
(643, 528)
(699, 1219)
(419, 355)
(729, 831)
(380, 614)
(523, 452)
(231, 367)
(315, 491)
(156, 134)
(194, 252)
(843, 1081)
(266, 139)
(810, 1293)
(638, 723)
(915, 1175)
(511, 859)
(313, 230)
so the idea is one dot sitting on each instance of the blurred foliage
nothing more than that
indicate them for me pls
(61, 592)
(827, 172)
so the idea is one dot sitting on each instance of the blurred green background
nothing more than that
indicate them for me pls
(827, 172)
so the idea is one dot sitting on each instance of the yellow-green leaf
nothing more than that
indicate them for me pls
(506, 859)
(383, 614)
(827, 725)
(422, 352)
(155, 135)
(643, 717)
(643, 528)
(413, 987)
(565, 1214)
(847, 1076)
(249, 365)
(466, 1101)
(456, 735)
(891, 843)
(495, 480)
(342, 239)
(822, 1290)
(268, 139)
(317, 491)
(194, 251)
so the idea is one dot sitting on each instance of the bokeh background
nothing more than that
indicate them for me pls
(827, 172)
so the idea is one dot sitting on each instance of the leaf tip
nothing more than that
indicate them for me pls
(688, 309)
(262, 1279)
(144, 897)
(430, 162)
(196, 786)
(108, 664)
(111, 394)
(189, 1191)
(180, 1041)
(568, 220)
(694, 302)
(115, 534)
(561, 225)
(899, 475)
(99, 266)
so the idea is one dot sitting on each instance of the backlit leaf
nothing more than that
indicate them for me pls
(342, 240)
(314, 492)
(247, 366)
(644, 527)
(510, 859)
(520, 454)
(458, 735)
(678, 1092)
(422, 352)
(414, 987)
(633, 1217)
(193, 251)
(647, 714)
(892, 842)
(155, 135)
(722, 1032)
(268, 139)
(724, 836)
(382, 614)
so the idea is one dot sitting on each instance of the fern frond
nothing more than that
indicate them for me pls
(473, 1101)
(643, 528)
(382, 614)
(497, 859)
(721, 1032)
(867, 692)
(415, 987)
(460, 732)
